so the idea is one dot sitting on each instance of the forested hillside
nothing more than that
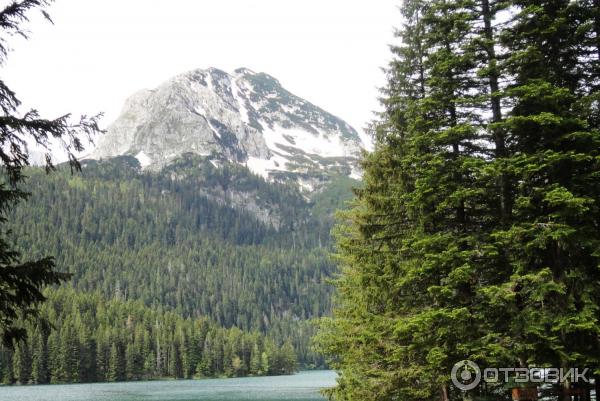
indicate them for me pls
(92, 339)
(202, 238)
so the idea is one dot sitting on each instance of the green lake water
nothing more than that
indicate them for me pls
(303, 386)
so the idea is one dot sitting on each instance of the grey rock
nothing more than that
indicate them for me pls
(244, 117)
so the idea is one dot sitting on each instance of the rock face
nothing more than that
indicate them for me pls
(244, 117)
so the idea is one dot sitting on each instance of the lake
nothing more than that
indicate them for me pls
(303, 386)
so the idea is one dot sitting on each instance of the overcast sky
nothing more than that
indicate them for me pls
(99, 52)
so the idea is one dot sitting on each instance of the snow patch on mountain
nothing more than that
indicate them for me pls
(144, 159)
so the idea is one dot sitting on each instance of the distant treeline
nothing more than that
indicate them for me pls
(170, 240)
(92, 339)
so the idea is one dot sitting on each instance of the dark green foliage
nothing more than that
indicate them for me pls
(39, 352)
(21, 281)
(476, 233)
(168, 240)
(126, 340)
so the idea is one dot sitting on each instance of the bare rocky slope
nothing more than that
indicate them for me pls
(246, 118)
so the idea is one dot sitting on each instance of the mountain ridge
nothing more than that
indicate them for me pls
(244, 117)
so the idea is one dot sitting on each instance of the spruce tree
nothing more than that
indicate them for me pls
(130, 363)
(264, 363)
(102, 355)
(21, 281)
(552, 240)
(116, 367)
(255, 361)
(54, 365)
(289, 362)
(207, 364)
(39, 366)
(475, 235)
(21, 363)
(69, 353)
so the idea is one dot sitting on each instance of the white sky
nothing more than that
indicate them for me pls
(101, 51)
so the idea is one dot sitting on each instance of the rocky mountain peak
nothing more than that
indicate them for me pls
(245, 117)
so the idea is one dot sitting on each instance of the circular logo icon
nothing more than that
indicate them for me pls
(465, 375)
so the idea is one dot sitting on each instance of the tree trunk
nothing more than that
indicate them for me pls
(460, 209)
(566, 385)
(498, 134)
(597, 26)
(444, 393)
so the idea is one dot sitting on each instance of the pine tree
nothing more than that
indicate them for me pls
(475, 235)
(6, 367)
(218, 355)
(195, 352)
(130, 363)
(21, 282)
(86, 354)
(116, 367)
(264, 363)
(102, 355)
(255, 361)
(186, 364)
(54, 365)
(175, 365)
(150, 364)
(553, 239)
(228, 359)
(207, 365)
(114, 340)
(289, 363)
(238, 366)
(39, 366)
(69, 353)
(21, 363)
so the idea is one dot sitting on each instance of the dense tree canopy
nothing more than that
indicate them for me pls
(172, 240)
(94, 340)
(476, 235)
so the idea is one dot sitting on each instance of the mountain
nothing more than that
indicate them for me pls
(191, 254)
(246, 118)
